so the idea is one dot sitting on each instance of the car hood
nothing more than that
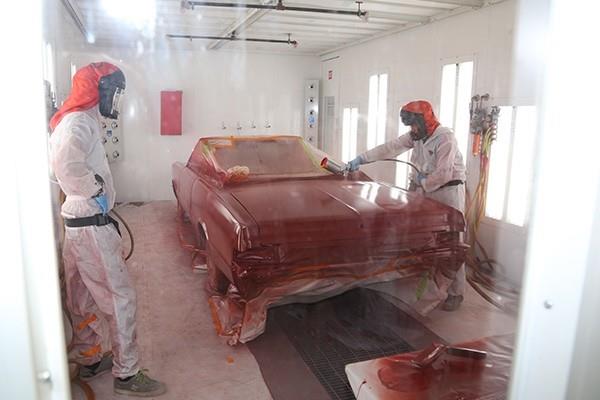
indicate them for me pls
(326, 209)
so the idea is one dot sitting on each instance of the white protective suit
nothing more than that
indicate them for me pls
(99, 295)
(438, 158)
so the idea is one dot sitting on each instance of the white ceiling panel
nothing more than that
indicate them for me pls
(148, 22)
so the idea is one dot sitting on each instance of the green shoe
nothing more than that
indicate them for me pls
(88, 372)
(452, 303)
(140, 385)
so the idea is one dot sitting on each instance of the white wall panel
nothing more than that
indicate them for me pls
(218, 87)
(414, 60)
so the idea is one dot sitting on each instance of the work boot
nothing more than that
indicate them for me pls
(452, 303)
(140, 385)
(88, 372)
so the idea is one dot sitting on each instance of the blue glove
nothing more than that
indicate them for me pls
(102, 202)
(354, 164)
(419, 178)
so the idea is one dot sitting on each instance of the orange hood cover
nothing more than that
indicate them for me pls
(84, 94)
(424, 108)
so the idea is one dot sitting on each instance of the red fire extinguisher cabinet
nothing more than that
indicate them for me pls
(170, 112)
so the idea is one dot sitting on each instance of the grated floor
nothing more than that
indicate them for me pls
(348, 328)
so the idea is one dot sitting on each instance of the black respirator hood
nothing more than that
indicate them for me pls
(107, 88)
(409, 119)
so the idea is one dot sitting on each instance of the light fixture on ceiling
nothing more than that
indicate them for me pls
(233, 37)
(139, 13)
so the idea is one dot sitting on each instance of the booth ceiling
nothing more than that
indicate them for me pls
(155, 22)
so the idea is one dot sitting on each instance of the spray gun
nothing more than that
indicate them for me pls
(341, 169)
(334, 167)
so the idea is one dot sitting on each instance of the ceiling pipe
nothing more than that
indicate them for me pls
(406, 27)
(190, 4)
(235, 38)
(241, 25)
(75, 15)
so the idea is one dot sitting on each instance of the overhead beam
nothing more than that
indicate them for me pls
(325, 26)
(460, 3)
(234, 39)
(277, 7)
(441, 4)
(76, 16)
(379, 15)
(434, 18)
(240, 25)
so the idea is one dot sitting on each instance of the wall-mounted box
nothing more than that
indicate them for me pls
(112, 139)
(311, 111)
(170, 112)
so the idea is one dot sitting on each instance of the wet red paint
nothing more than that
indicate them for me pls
(448, 377)
(293, 228)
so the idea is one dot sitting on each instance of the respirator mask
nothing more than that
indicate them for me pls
(111, 88)
(416, 122)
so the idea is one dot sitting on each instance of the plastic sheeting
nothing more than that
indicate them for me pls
(240, 313)
(220, 158)
(285, 230)
(450, 377)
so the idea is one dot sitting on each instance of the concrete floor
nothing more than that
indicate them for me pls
(176, 337)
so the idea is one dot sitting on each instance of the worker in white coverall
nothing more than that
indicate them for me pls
(442, 170)
(100, 297)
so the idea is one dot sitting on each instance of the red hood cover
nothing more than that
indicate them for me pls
(424, 108)
(84, 94)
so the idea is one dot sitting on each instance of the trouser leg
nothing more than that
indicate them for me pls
(104, 273)
(454, 196)
(458, 284)
(90, 332)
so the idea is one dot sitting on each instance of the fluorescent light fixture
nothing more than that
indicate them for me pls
(139, 13)
(372, 124)
(349, 131)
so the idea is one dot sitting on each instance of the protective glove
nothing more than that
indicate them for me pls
(354, 164)
(419, 178)
(102, 202)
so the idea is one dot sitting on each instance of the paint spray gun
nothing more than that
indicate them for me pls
(334, 167)
(341, 169)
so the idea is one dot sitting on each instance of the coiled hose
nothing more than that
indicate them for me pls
(484, 274)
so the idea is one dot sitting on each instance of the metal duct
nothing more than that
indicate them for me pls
(234, 38)
(277, 7)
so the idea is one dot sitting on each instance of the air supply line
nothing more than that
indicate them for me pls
(235, 38)
(277, 7)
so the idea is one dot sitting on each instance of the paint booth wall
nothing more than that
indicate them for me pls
(219, 88)
(227, 87)
(413, 60)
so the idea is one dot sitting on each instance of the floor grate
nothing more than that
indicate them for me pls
(355, 326)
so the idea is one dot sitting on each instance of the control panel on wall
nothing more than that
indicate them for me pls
(311, 111)
(112, 139)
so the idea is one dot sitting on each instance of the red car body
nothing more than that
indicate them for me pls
(277, 228)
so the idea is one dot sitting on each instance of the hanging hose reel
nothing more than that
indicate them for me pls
(483, 274)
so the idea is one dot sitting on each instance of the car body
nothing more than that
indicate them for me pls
(277, 228)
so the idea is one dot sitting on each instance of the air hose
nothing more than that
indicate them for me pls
(131, 240)
(403, 162)
(483, 274)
